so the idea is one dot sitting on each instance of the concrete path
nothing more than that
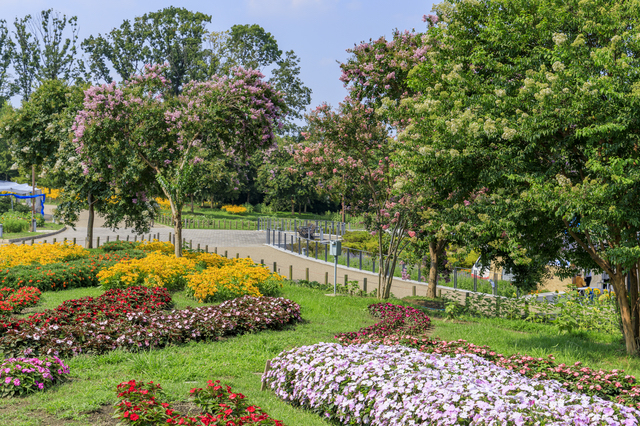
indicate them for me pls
(250, 244)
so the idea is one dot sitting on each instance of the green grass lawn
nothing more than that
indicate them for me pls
(50, 227)
(239, 361)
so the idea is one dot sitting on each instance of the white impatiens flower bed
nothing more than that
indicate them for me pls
(373, 384)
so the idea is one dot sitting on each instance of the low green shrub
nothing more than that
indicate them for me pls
(11, 226)
(64, 275)
(118, 245)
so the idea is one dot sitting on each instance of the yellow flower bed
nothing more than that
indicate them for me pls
(234, 209)
(155, 245)
(155, 270)
(14, 255)
(51, 193)
(163, 202)
(236, 278)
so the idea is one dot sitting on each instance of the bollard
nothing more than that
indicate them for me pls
(32, 241)
(291, 272)
(364, 285)
(346, 279)
(65, 240)
(206, 248)
(98, 242)
(262, 262)
(237, 255)
(225, 253)
(413, 291)
(127, 238)
(216, 250)
(54, 241)
(275, 267)
(74, 241)
(190, 243)
(118, 237)
(198, 246)
(307, 274)
(326, 278)
(135, 238)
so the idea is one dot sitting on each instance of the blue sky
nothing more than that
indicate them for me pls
(319, 31)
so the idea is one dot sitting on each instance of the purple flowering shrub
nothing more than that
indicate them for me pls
(20, 376)
(376, 384)
(396, 319)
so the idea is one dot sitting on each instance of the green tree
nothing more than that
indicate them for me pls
(535, 102)
(42, 52)
(6, 160)
(297, 96)
(172, 35)
(250, 46)
(6, 53)
(144, 141)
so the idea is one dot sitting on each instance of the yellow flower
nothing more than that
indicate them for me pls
(14, 255)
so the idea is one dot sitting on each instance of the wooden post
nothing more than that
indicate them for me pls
(237, 255)
(98, 242)
(413, 291)
(364, 285)
(107, 238)
(326, 278)
(206, 248)
(346, 279)
(54, 241)
(290, 271)
(275, 267)
(74, 241)
(225, 253)
(267, 367)
(198, 246)
(307, 274)
(262, 261)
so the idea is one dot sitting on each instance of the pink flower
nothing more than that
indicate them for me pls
(411, 234)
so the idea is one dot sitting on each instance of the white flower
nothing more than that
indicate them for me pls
(508, 133)
(558, 66)
(559, 38)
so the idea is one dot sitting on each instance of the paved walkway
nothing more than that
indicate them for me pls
(250, 244)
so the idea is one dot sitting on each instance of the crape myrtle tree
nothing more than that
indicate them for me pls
(539, 102)
(141, 139)
(284, 181)
(376, 75)
(353, 145)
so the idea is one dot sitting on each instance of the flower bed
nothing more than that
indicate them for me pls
(132, 320)
(13, 301)
(237, 278)
(154, 270)
(396, 319)
(63, 275)
(141, 404)
(613, 385)
(230, 208)
(21, 376)
(41, 253)
(395, 385)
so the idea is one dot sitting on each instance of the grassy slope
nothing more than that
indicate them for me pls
(239, 361)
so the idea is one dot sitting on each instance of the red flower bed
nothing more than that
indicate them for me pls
(134, 319)
(612, 385)
(13, 301)
(396, 319)
(141, 404)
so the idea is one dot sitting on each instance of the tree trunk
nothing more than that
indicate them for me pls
(305, 207)
(191, 203)
(293, 206)
(88, 243)
(619, 286)
(633, 298)
(344, 213)
(249, 197)
(380, 266)
(433, 270)
(211, 201)
(299, 208)
(176, 215)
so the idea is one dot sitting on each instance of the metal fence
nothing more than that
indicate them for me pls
(283, 235)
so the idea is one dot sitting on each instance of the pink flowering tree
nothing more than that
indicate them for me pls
(144, 141)
(376, 75)
(351, 147)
